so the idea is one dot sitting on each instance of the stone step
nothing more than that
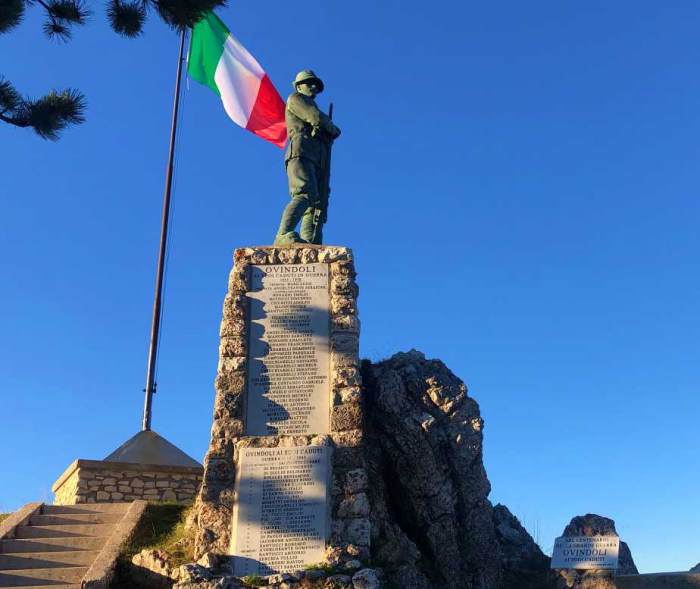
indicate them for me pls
(85, 508)
(24, 577)
(64, 531)
(68, 519)
(52, 544)
(46, 560)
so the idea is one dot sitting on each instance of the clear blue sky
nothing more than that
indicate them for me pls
(532, 166)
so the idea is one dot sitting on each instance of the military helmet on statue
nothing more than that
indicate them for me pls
(306, 76)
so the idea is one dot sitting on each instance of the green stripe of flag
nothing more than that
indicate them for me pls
(206, 47)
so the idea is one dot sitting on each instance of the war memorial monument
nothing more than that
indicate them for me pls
(323, 471)
(284, 476)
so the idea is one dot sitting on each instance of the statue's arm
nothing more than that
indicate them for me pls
(308, 112)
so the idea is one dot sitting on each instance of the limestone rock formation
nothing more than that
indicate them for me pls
(525, 566)
(151, 568)
(595, 525)
(306, 579)
(432, 523)
(431, 520)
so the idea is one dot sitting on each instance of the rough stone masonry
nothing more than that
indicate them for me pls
(252, 362)
(100, 481)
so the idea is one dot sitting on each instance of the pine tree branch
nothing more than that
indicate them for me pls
(48, 115)
(11, 14)
(13, 121)
(184, 13)
(61, 15)
(127, 16)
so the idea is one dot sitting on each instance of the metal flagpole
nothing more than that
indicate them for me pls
(155, 324)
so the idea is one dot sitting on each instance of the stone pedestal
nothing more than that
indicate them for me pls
(284, 477)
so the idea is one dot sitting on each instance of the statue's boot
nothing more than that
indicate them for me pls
(291, 216)
(289, 237)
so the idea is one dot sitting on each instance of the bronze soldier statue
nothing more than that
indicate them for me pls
(311, 133)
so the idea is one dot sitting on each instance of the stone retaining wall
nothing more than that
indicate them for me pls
(98, 481)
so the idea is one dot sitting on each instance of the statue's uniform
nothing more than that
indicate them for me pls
(306, 160)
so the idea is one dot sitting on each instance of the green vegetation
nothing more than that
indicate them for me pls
(254, 581)
(162, 527)
(324, 566)
(4, 516)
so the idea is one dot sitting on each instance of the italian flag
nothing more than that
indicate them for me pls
(218, 60)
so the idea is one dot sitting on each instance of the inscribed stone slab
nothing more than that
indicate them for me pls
(288, 352)
(280, 518)
(586, 552)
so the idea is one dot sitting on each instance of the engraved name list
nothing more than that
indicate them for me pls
(280, 518)
(288, 370)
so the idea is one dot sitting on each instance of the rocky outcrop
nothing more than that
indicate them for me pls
(432, 524)
(595, 525)
(525, 566)
(156, 571)
(695, 569)
(150, 568)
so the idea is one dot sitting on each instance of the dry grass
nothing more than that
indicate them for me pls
(162, 527)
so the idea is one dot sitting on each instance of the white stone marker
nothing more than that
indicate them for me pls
(586, 552)
(288, 353)
(280, 517)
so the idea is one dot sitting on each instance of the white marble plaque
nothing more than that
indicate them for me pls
(586, 552)
(280, 517)
(288, 353)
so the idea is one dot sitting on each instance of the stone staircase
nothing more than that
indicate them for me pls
(58, 545)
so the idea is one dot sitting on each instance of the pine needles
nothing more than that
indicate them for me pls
(51, 114)
(47, 115)
(11, 14)
(127, 18)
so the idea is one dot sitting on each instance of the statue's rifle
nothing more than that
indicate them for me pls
(321, 212)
